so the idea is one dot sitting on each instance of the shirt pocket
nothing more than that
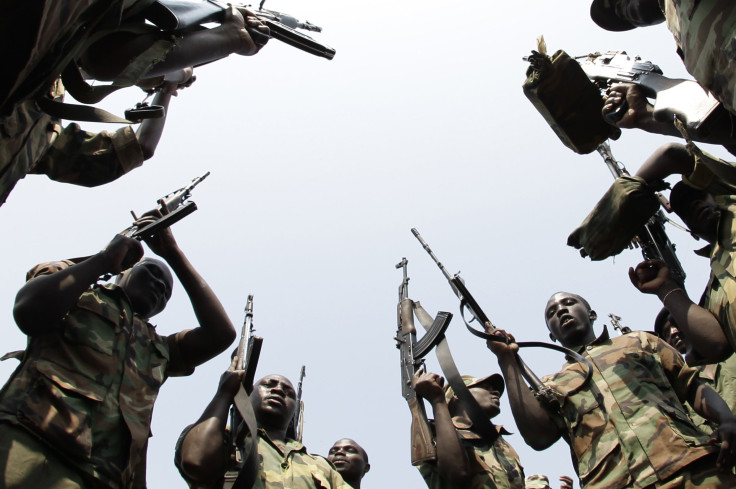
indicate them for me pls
(587, 432)
(58, 407)
(94, 323)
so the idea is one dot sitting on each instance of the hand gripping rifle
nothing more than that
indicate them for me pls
(242, 418)
(653, 239)
(182, 15)
(411, 360)
(177, 207)
(547, 395)
(686, 99)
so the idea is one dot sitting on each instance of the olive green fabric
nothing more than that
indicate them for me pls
(616, 219)
(570, 103)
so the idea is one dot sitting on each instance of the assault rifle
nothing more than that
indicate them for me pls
(653, 239)
(616, 323)
(691, 103)
(297, 423)
(177, 207)
(412, 360)
(242, 417)
(178, 15)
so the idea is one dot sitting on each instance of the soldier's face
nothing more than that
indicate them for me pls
(488, 399)
(569, 319)
(274, 400)
(348, 458)
(671, 335)
(148, 285)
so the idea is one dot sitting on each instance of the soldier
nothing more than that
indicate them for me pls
(626, 426)
(77, 411)
(204, 455)
(351, 460)
(703, 30)
(464, 459)
(33, 141)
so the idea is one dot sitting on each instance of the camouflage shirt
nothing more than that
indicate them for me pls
(722, 377)
(628, 426)
(494, 466)
(87, 389)
(33, 142)
(287, 467)
(705, 33)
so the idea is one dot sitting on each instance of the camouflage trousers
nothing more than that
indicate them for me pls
(26, 463)
(701, 474)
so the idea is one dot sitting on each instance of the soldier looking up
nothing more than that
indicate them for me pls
(464, 459)
(351, 460)
(626, 427)
(203, 452)
(77, 411)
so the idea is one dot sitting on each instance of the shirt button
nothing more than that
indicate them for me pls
(589, 347)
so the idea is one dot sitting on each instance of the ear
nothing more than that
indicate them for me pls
(552, 337)
(367, 468)
(593, 316)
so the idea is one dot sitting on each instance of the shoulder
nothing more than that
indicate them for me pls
(47, 268)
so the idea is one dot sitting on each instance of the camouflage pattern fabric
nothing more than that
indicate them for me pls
(628, 426)
(287, 467)
(705, 33)
(494, 467)
(34, 142)
(616, 218)
(722, 377)
(87, 389)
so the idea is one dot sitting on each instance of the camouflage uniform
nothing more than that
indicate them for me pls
(705, 32)
(290, 468)
(34, 142)
(87, 389)
(628, 427)
(722, 377)
(495, 467)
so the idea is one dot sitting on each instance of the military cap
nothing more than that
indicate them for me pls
(536, 481)
(495, 381)
(603, 13)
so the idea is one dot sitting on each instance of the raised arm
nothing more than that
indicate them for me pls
(453, 465)
(215, 332)
(699, 326)
(203, 452)
(534, 422)
(43, 301)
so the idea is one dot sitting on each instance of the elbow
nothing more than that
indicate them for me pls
(27, 316)
(717, 353)
(537, 442)
(147, 149)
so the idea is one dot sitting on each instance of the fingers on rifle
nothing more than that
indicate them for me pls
(233, 363)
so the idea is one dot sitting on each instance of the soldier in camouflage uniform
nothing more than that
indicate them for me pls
(47, 36)
(626, 426)
(704, 31)
(350, 460)
(464, 459)
(77, 411)
(207, 459)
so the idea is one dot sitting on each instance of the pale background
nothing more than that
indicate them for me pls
(319, 170)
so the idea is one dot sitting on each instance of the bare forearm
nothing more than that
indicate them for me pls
(215, 331)
(43, 301)
(710, 405)
(698, 325)
(533, 421)
(452, 461)
(150, 131)
(203, 448)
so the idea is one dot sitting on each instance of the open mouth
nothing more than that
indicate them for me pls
(566, 320)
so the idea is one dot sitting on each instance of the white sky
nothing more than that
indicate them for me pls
(319, 170)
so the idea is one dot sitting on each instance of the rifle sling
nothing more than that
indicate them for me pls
(249, 471)
(481, 423)
(530, 377)
(76, 112)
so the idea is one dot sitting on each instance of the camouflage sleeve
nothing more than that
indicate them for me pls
(335, 479)
(90, 159)
(684, 379)
(47, 268)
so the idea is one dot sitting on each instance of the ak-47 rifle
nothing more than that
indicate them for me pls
(297, 423)
(177, 207)
(653, 239)
(616, 323)
(686, 99)
(468, 304)
(178, 16)
(242, 417)
(411, 360)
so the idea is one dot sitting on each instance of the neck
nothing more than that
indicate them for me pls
(355, 484)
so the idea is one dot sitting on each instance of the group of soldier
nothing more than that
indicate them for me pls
(641, 411)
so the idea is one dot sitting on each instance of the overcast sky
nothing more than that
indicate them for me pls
(319, 171)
